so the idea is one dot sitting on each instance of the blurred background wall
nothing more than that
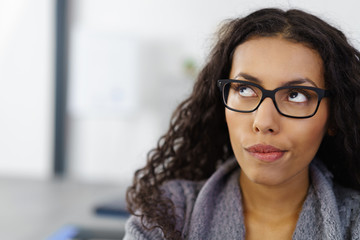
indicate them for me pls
(26, 87)
(129, 62)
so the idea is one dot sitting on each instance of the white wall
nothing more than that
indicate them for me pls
(26, 87)
(141, 46)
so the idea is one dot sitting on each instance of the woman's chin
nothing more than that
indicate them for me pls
(264, 179)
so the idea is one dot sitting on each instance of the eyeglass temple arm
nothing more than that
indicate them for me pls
(327, 93)
(219, 85)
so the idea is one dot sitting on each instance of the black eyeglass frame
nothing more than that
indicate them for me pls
(271, 94)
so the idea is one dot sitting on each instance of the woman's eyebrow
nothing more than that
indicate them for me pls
(300, 81)
(289, 83)
(248, 77)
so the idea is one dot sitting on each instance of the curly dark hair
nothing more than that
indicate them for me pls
(198, 141)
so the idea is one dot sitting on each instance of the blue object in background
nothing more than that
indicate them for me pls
(65, 233)
(71, 232)
(112, 208)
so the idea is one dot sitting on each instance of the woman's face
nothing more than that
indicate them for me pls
(272, 149)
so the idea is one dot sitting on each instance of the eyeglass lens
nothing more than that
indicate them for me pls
(297, 102)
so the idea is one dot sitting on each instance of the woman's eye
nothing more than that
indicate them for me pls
(297, 97)
(246, 91)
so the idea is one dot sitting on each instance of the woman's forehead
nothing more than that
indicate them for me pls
(275, 58)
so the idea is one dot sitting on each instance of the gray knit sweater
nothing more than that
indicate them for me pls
(213, 210)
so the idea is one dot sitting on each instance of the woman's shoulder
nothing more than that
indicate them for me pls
(348, 201)
(347, 196)
(182, 194)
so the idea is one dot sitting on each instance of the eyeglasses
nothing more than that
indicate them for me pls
(290, 101)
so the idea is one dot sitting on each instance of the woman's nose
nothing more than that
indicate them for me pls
(266, 118)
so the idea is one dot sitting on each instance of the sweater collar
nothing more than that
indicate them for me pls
(218, 209)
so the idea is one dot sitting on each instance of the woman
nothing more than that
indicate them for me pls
(275, 154)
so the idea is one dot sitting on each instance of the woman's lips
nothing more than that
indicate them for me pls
(265, 153)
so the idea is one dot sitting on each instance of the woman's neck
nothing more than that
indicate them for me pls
(273, 209)
(279, 201)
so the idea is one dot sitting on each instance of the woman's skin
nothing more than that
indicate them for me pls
(274, 191)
